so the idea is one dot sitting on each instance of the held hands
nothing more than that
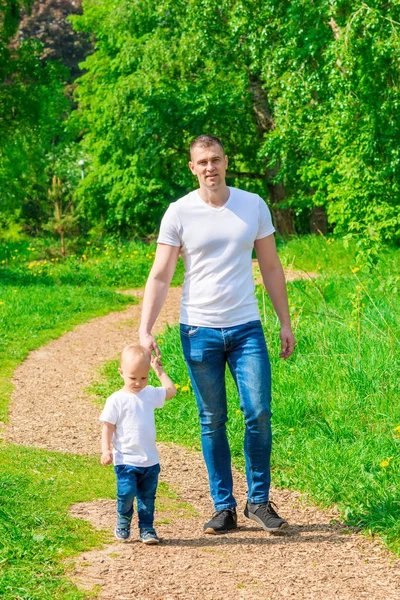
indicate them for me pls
(106, 457)
(287, 342)
(149, 342)
(157, 366)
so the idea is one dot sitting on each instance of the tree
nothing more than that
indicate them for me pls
(48, 22)
(35, 145)
(305, 95)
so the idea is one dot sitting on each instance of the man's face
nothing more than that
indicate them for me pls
(209, 165)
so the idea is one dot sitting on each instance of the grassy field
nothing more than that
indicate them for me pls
(336, 402)
(336, 409)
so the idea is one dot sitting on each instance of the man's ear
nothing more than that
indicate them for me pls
(120, 371)
(191, 167)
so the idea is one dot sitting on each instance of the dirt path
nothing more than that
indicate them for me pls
(313, 560)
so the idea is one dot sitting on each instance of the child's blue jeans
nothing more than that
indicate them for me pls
(139, 482)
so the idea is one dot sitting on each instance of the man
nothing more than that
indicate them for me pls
(215, 228)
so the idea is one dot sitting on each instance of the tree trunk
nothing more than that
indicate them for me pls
(283, 217)
(318, 221)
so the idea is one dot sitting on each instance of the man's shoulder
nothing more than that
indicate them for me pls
(182, 202)
(244, 195)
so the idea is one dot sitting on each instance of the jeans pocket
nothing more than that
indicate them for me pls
(188, 330)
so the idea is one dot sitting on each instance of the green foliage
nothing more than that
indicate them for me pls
(302, 93)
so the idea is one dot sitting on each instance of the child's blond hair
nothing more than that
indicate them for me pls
(135, 352)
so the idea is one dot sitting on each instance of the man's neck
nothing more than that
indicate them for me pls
(215, 197)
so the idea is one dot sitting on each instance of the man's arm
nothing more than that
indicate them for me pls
(156, 292)
(274, 281)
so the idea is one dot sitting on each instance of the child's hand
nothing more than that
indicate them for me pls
(106, 458)
(157, 366)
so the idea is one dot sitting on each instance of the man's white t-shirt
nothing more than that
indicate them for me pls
(216, 247)
(134, 439)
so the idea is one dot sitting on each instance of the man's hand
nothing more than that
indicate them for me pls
(106, 457)
(287, 342)
(149, 342)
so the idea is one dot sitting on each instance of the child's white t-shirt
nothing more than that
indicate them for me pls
(216, 246)
(134, 439)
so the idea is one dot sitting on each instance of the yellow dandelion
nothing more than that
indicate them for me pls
(177, 386)
(238, 411)
(159, 341)
(289, 452)
(185, 388)
(15, 250)
(15, 291)
(384, 464)
(291, 428)
(40, 271)
(397, 429)
(355, 269)
(88, 243)
(1, 302)
(135, 252)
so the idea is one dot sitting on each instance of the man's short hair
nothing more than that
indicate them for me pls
(206, 141)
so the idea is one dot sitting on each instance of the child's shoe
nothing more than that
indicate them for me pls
(123, 528)
(149, 536)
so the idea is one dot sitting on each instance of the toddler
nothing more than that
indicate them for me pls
(128, 421)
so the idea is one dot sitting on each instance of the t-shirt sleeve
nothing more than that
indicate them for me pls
(157, 395)
(110, 411)
(170, 228)
(265, 226)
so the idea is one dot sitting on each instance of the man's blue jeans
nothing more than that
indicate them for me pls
(139, 482)
(207, 350)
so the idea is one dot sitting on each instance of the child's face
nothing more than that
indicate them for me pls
(135, 373)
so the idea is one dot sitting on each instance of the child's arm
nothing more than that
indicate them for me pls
(163, 377)
(106, 437)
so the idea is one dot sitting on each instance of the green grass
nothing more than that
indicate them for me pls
(36, 533)
(107, 264)
(335, 402)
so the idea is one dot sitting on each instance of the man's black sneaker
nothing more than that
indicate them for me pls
(265, 515)
(222, 521)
